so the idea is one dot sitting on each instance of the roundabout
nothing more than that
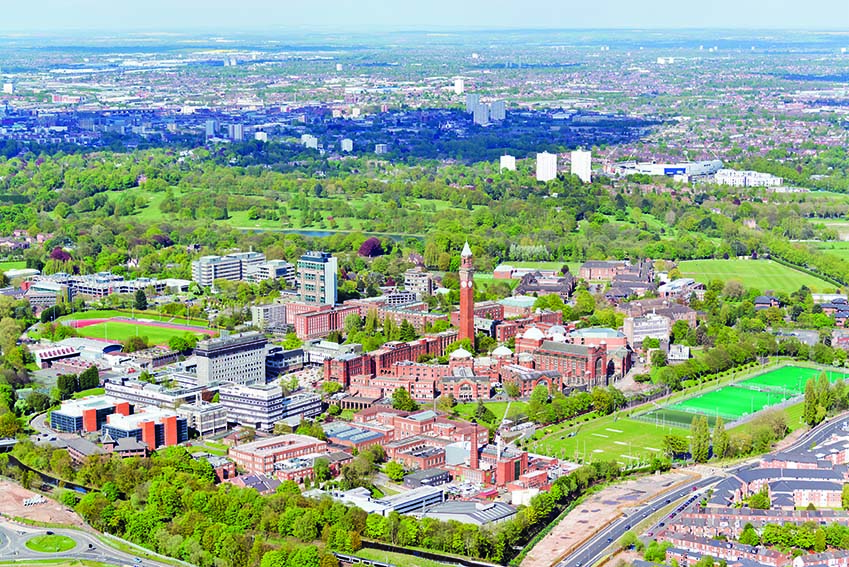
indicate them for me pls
(50, 543)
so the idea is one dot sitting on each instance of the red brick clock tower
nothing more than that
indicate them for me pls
(467, 295)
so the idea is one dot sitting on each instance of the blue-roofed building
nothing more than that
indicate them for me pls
(339, 433)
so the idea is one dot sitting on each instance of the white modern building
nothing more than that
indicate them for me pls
(309, 141)
(459, 86)
(317, 278)
(261, 136)
(472, 100)
(262, 405)
(236, 358)
(480, 114)
(690, 168)
(582, 165)
(347, 145)
(651, 325)
(236, 132)
(233, 267)
(546, 166)
(747, 178)
(508, 163)
(381, 149)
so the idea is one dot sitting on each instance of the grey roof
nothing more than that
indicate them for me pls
(564, 347)
(472, 512)
(751, 475)
(83, 446)
(425, 474)
(130, 444)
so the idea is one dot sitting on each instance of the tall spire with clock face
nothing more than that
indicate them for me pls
(467, 295)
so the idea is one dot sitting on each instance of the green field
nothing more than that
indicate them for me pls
(839, 249)
(399, 559)
(497, 408)
(759, 274)
(50, 543)
(147, 315)
(4, 266)
(625, 440)
(738, 400)
(120, 331)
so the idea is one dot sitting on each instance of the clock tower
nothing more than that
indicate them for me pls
(467, 295)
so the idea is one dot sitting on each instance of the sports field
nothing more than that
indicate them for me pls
(625, 440)
(746, 397)
(119, 329)
(759, 274)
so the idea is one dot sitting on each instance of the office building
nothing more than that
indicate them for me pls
(747, 178)
(649, 326)
(233, 267)
(546, 166)
(271, 270)
(381, 149)
(211, 128)
(317, 278)
(236, 132)
(459, 86)
(472, 101)
(419, 282)
(268, 315)
(347, 145)
(309, 141)
(236, 358)
(261, 455)
(582, 165)
(156, 427)
(8, 88)
(86, 414)
(262, 405)
(261, 136)
(498, 110)
(508, 163)
(480, 114)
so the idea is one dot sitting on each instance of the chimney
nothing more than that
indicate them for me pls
(473, 449)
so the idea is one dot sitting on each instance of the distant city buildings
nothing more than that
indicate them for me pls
(688, 168)
(317, 278)
(472, 100)
(236, 132)
(347, 145)
(309, 141)
(582, 165)
(546, 166)
(261, 136)
(268, 315)
(459, 86)
(498, 110)
(248, 266)
(508, 163)
(747, 178)
(381, 149)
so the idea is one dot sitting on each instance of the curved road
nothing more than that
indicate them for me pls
(592, 551)
(13, 538)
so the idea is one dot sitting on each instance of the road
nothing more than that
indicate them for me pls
(593, 550)
(13, 538)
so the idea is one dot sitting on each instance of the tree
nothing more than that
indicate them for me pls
(9, 425)
(699, 439)
(674, 445)
(140, 302)
(407, 332)
(760, 499)
(749, 536)
(720, 439)
(331, 388)
(809, 411)
(321, 468)
(844, 498)
(446, 403)
(67, 385)
(291, 341)
(371, 248)
(394, 471)
(658, 359)
(180, 344)
(401, 400)
(512, 389)
(135, 343)
(483, 413)
(584, 303)
(89, 378)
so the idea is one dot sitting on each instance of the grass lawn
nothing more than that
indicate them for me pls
(794, 416)
(146, 315)
(759, 274)
(50, 543)
(498, 408)
(399, 559)
(839, 249)
(89, 392)
(625, 440)
(17, 265)
(119, 331)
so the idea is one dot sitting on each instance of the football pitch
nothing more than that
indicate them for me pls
(760, 274)
(736, 401)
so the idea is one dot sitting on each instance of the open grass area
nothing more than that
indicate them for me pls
(399, 559)
(89, 392)
(498, 408)
(835, 248)
(50, 543)
(15, 265)
(55, 563)
(743, 398)
(121, 331)
(142, 315)
(623, 439)
(759, 274)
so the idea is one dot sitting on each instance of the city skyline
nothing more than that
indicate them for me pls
(218, 15)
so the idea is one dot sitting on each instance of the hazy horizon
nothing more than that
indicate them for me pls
(345, 16)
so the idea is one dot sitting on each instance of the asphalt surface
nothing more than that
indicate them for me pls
(13, 538)
(593, 550)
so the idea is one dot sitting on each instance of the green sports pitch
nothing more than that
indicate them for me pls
(759, 274)
(735, 401)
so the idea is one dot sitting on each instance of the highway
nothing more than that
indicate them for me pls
(593, 550)
(13, 538)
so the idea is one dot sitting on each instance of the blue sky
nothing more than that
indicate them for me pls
(362, 15)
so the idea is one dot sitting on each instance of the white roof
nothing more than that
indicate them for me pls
(461, 353)
(466, 250)
(502, 351)
(534, 334)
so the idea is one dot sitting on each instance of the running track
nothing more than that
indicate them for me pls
(79, 324)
